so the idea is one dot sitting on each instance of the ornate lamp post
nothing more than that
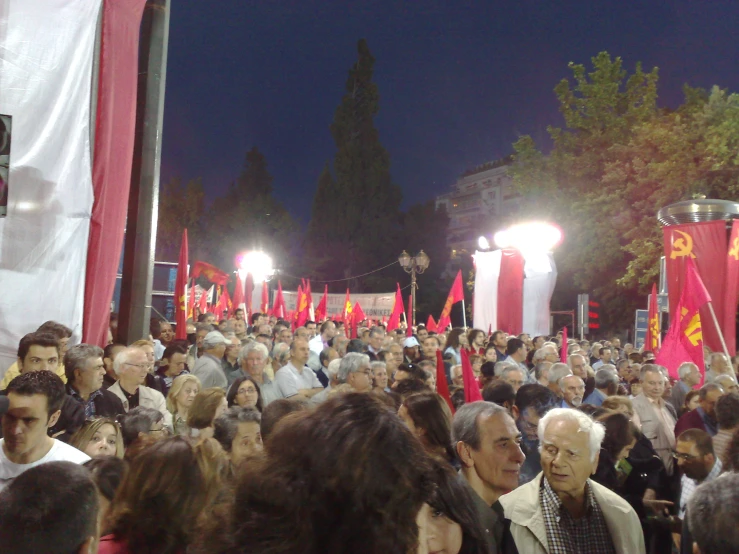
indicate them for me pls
(413, 265)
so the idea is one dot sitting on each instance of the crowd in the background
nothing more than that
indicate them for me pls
(253, 437)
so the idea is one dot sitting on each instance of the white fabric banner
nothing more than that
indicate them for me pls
(487, 272)
(373, 305)
(540, 277)
(46, 55)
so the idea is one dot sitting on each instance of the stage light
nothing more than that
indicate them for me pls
(529, 237)
(258, 264)
(483, 243)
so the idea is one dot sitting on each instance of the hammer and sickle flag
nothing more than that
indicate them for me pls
(682, 246)
(652, 341)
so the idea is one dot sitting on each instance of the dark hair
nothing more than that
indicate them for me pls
(233, 390)
(278, 409)
(702, 440)
(107, 472)
(57, 329)
(620, 433)
(254, 317)
(323, 356)
(457, 396)
(472, 335)
(430, 412)
(356, 345)
(347, 477)
(488, 369)
(452, 340)
(592, 411)
(45, 383)
(406, 387)
(226, 426)
(202, 412)
(37, 339)
(495, 334)
(513, 345)
(108, 350)
(731, 454)
(173, 348)
(155, 327)
(158, 502)
(499, 392)
(451, 499)
(35, 514)
(538, 397)
(413, 370)
(138, 420)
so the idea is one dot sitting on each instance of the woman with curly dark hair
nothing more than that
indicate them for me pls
(347, 477)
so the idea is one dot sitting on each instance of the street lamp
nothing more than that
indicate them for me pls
(413, 265)
(258, 264)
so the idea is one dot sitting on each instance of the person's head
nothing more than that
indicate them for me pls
(532, 402)
(694, 454)
(541, 372)
(110, 352)
(456, 373)
(653, 381)
(207, 405)
(719, 363)
(147, 347)
(328, 330)
(166, 333)
(60, 331)
(604, 354)
(253, 359)
(174, 358)
(215, 344)
(727, 383)
(430, 346)
(39, 351)
(84, 368)
(131, 365)
(411, 348)
(239, 327)
(428, 417)
(245, 393)
(487, 442)
(285, 335)
(182, 394)
(369, 479)
(713, 511)
(573, 390)
(577, 364)
(689, 374)
(280, 355)
(498, 339)
(422, 333)
(376, 336)
(379, 375)
(516, 349)
(355, 371)
(727, 411)
(513, 376)
(98, 438)
(476, 338)
(569, 442)
(299, 353)
(107, 473)
(606, 380)
(620, 437)
(623, 368)
(35, 514)
(556, 372)
(238, 432)
(142, 421)
(708, 396)
(501, 393)
(635, 386)
(35, 401)
(157, 504)
(276, 411)
(620, 404)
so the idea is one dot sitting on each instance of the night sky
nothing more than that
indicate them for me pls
(459, 81)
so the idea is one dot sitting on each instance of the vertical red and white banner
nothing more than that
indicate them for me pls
(731, 293)
(510, 292)
(46, 60)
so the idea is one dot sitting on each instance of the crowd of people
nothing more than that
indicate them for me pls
(254, 437)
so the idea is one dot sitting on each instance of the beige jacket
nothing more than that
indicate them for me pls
(148, 398)
(523, 509)
(662, 441)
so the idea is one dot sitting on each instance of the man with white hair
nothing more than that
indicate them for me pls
(131, 365)
(514, 376)
(562, 509)
(456, 373)
(556, 372)
(333, 381)
(355, 370)
(719, 366)
(208, 367)
(573, 391)
(253, 361)
(690, 376)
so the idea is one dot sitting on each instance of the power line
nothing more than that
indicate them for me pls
(346, 278)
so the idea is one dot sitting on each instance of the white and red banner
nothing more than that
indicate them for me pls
(375, 306)
(513, 291)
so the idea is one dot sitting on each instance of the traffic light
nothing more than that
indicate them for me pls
(593, 315)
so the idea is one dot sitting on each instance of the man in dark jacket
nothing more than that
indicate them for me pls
(84, 368)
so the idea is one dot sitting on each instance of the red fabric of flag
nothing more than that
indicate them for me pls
(563, 347)
(210, 272)
(249, 296)
(322, 308)
(471, 387)
(431, 324)
(238, 297)
(278, 308)
(180, 290)
(264, 308)
(510, 291)
(652, 340)
(731, 291)
(442, 386)
(398, 308)
(456, 294)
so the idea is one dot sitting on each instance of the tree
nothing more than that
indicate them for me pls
(356, 218)
(181, 205)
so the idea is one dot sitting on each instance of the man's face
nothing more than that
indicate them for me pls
(499, 340)
(332, 355)
(719, 364)
(39, 358)
(90, 378)
(261, 320)
(286, 336)
(167, 333)
(578, 366)
(232, 349)
(653, 384)
(26, 423)
(397, 355)
(379, 377)
(422, 334)
(691, 463)
(457, 376)
(264, 329)
(515, 379)
(239, 326)
(624, 371)
(616, 343)
(177, 363)
(573, 390)
(136, 369)
(693, 378)
(361, 380)
(411, 352)
(248, 441)
(430, 346)
(265, 341)
(299, 353)
(498, 460)
(551, 354)
(628, 349)
(606, 356)
(565, 457)
(526, 339)
(200, 337)
(330, 331)
(538, 342)
(528, 422)
(254, 364)
(709, 402)
(239, 314)
(375, 340)
(302, 334)
(311, 330)
(210, 319)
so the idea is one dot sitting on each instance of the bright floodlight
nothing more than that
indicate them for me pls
(537, 236)
(483, 243)
(258, 264)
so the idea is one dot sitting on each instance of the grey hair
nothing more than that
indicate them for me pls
(251, 347)
(374, 365)
(352, 363)
(280, 352)
(214, 341)
(650, 368)
(685, 368)
(451, 369)
(202, 326)
(569, 359)
(725, 381)
(562, 379)
(500, 367)
(77, 356)
(595, 430)
(138, 420)
(123, 357)
(465, 426)
(540, 368)
(609, 367)
(712, 513)
(510, 369)
(226, 425)
(377, 331)
(557, 371)
(604, 377)
(333, 368)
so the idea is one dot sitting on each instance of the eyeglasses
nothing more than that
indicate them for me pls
(140, 366)
(683, 457)
(162, 430)
(247, 391)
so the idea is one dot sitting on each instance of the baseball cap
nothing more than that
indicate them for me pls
(215, 337)
(410, 342)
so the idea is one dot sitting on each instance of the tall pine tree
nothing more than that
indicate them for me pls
(355, 219)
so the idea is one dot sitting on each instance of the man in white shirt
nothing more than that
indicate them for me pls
(295, 378)
(320, 341)
(34, 406)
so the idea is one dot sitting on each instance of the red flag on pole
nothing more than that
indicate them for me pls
(431, 324)
(180, 290)
(347, 311)
(652, 340)
(278, 308)
(409, 330)
(203, 303)
(238, 299)
(264, 308)
(563, 348)
(358, 313)
(471, 388)
(309, 297)
(191, 300)
(210, 272)
(731, 291)
(398, 308)
(442, 387)
(322, 308)
(456, 294)
(249, 295)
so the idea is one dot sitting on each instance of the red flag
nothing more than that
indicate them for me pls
(409, 319)
(278, 308)
(203, 303)
(442, 387)
(249, 296)
(347, 306)
(358, 313)
(180, 290)
(238, 299)
(191, 300)
(652, 340)
(731, 291)
(264, 308)
(471, 388)
(223, 304)
(210, 272)
(431, 324)
(684, 339)
(322, 306)
(456, 294)
(398, 308)
(563, 349)
(309, 296)
(302, 308)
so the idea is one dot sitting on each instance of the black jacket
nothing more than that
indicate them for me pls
(106, 404)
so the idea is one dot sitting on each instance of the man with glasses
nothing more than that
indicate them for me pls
(355, 370)
(132, 366)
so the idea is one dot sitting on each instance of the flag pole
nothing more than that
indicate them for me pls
(720, 334)
(464, 314)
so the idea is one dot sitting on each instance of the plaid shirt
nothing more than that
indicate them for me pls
(566, 535)
(89, 404)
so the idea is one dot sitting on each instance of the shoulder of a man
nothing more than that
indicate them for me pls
(523, 499)
(62, 452)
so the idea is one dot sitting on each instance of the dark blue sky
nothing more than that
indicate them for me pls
(458, 81)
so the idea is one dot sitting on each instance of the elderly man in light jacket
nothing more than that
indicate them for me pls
(562, 510)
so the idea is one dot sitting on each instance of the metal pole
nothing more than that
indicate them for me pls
(720, 334)
(413, 293)
(143, 205)
(464, 315)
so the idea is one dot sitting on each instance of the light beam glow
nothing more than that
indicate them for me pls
(257, 263)
(529, 237)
